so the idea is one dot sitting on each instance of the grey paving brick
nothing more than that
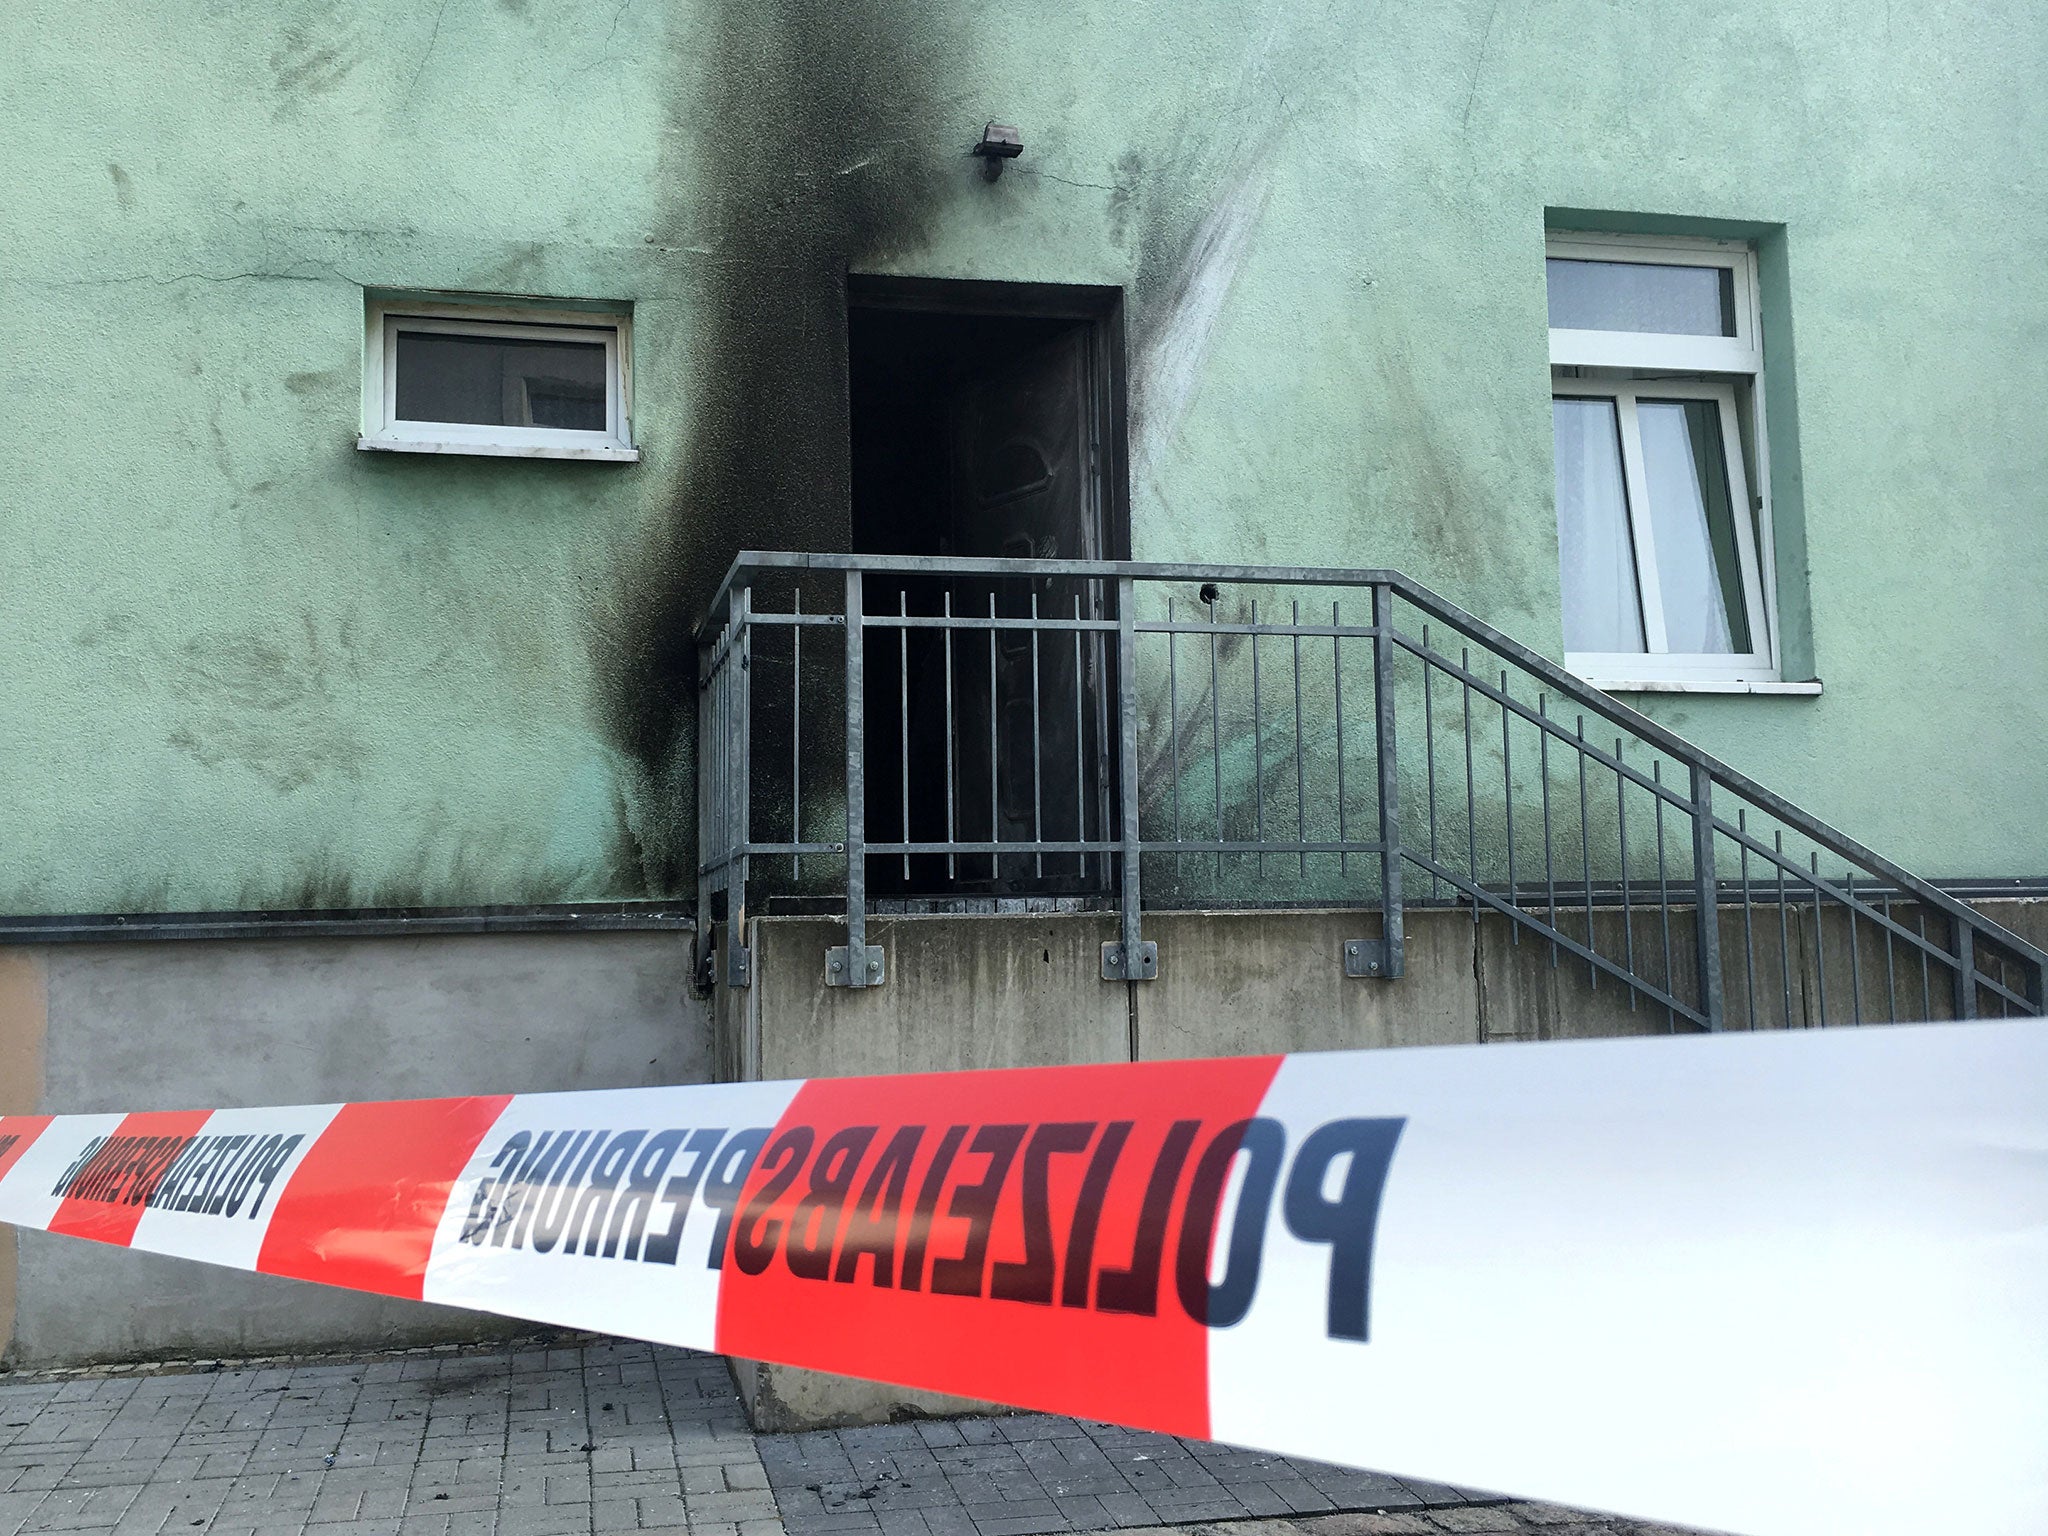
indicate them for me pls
(662, 1508)
(829, 1523)
(1014, 1509)
(1433, 1495)
(744, 1476)
(1084, 1512)
(1020, 1525)
(1196, 1505)
(1128, 1509)
(733, 1506)
(16, 1508)
(543, 1520)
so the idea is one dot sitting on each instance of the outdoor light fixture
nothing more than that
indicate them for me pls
(999, 142)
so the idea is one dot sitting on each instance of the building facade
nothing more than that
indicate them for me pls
(390, 389)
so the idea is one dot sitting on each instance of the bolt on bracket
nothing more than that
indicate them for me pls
(855, 966)
(1146, 967)
(1366, 957)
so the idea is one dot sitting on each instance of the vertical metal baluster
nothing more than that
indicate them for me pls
(1258, 750)
(1134, 961)
(995, 799)
(1628, 916)
(1664, 895)
(903, 711)
(743, 800)
(1471, 800)
(1080, 763)
(1966, 968)
(952, 831)
(1586, 859)
(1549, 848)
(1037, 753)
(1337, 694)
(1748, 926)
(1926, 977)
(1300, 768)
(1784, 924)
(1507, 776)
(1180, 868)
(796, 736)
(1429, 755)
(1820, 950)
(1393, 923)
(1891, 980)
(1855, 949)
(1707, 899)
(1216, 736)
(856, 970)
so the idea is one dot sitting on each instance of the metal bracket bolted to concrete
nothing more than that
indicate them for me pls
(1113, 968)
(739, 966)
(1366, 957)
(850, 967)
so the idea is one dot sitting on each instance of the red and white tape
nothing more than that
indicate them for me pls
(1764, 1283)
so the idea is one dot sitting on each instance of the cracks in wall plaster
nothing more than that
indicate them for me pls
(1479, 66)
(1119, 188)
(426, 57)
(329, 274)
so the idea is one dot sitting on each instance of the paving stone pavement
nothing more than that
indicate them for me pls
(589, 1437)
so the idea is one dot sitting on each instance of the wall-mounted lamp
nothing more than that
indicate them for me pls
(999, 142)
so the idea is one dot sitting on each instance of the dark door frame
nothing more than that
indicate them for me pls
(1101, 308)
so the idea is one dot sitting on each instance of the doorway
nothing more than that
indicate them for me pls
(987, 422)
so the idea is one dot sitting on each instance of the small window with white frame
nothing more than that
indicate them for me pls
(498, 381)
(1664, 533)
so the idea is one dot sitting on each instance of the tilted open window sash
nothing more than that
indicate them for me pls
(1663, 534)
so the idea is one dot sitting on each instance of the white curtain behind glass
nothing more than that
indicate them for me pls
(1694, 539)
(1596, 557)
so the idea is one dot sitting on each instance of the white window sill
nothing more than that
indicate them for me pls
(607, 453)
(1708, 685)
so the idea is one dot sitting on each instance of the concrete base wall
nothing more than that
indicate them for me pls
(181, 1025)
(1023, 991)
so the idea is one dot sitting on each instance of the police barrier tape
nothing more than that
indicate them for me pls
(1785, 1283)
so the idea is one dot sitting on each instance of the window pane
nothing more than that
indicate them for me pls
(1595, 551)
(501, 381)
(1641, 296)
(1699, 575)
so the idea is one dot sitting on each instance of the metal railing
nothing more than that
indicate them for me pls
(1140, 736)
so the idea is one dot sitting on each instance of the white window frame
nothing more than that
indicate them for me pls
(385, 431)
(1626, 366)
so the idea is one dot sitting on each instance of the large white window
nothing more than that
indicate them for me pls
(444, 378)
(1663, 528)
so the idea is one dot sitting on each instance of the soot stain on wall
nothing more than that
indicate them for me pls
(806, 138)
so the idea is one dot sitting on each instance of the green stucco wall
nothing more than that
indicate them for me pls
(246, 665)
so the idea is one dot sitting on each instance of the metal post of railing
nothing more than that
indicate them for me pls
(1129, 956)
(1966, 969)
(1706, 897)
(739, 970)
(1383, 958)
(856, 963)
(706, 973)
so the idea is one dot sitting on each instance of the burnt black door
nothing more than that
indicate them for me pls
(1028, 706)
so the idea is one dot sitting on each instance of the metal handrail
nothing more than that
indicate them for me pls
(733, 619)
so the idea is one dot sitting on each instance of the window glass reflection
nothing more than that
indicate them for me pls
(1641, 296)
(501, 381)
